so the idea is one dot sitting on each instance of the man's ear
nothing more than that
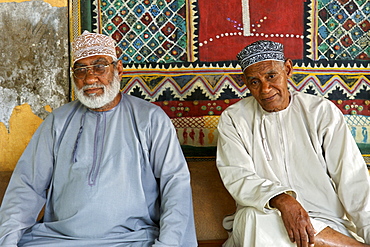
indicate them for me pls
(244, 80)
(288, 64)
(119, 67)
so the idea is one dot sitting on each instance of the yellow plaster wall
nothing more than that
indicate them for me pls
(55, 3)
(22, 124)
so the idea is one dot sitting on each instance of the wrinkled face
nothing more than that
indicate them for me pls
(99, 88)
(268, 83)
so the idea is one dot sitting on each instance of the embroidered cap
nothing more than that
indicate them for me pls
(91, 44)
(259, 51)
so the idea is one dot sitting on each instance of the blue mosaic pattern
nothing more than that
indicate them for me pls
(148, 30)
(343, 29)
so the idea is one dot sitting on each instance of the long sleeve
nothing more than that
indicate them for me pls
(124, 166)
(237, 168)
(312, 153)
(26, 192)
(170, 168)
(348, 170)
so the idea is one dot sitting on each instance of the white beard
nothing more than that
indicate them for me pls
(98, 101)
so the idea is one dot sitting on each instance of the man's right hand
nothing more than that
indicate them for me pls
(296, 220)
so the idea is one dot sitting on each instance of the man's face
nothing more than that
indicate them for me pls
(268, 83)
(98, 91)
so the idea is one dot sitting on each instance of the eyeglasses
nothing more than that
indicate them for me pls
(97, 70)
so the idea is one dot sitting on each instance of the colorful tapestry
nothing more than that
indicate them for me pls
(340, 30)
(180, 55)
(225, 27)
(148, 31)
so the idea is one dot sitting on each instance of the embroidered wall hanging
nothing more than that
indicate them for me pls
(180, 54)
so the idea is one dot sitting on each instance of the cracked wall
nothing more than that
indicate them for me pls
(34, 72)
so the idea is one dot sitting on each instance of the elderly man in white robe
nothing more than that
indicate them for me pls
(290, 162)
(108, 168)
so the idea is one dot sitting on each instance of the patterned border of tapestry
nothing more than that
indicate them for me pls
(180, 55)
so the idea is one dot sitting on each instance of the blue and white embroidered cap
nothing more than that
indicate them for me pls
(259, 51)
(91, 44)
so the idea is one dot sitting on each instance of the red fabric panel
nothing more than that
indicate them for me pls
(283, 17)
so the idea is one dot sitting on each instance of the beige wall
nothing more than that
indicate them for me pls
(55, 3)
(16, 132)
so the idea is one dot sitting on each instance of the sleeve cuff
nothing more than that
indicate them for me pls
(289, 192)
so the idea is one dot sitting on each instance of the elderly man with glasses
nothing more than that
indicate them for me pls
(107, 167)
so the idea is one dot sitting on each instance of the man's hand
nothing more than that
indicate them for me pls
(296, 220)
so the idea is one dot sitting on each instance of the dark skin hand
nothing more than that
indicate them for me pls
(296, 220)
(300, 230)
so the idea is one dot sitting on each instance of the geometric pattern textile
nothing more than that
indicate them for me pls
(350, 83)
(197, 131)
(194, 110)
(185, 84)
(360, 132)
(358, 111)
(149, 31)
(342, 30)
(172, 50)
(357, 120)
(202, 131)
